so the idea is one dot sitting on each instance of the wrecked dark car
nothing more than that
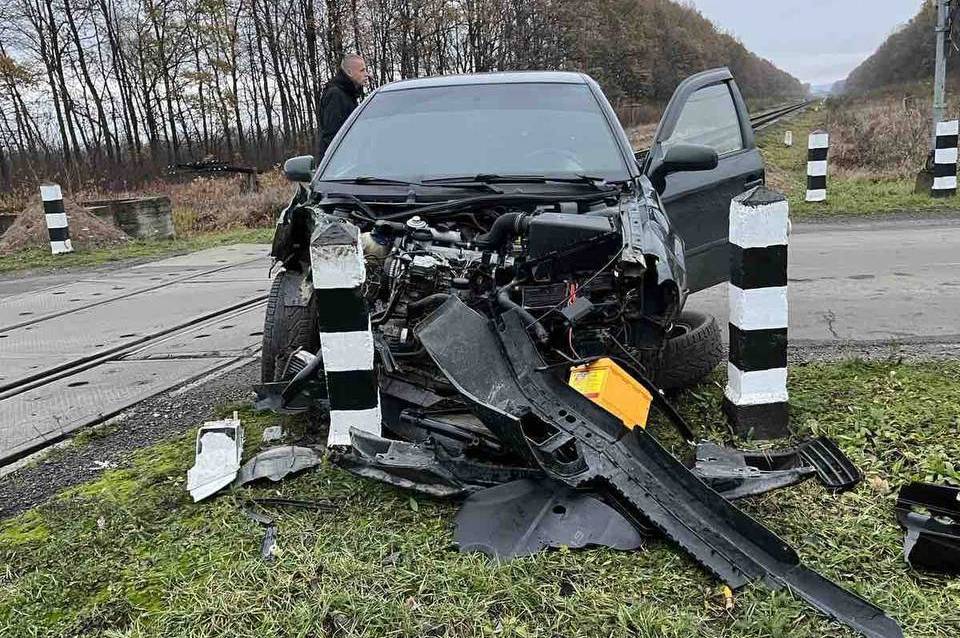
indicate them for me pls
(471, 257)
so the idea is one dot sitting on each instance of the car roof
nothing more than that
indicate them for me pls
(511, 77)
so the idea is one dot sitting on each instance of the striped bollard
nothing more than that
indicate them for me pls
(817, 145)
(56, 218)
(755, 399)
(346, 341)
(945, 160)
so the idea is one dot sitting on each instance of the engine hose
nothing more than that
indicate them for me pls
(503, 298)
(382, 317)
(504, 226)
(418, 306)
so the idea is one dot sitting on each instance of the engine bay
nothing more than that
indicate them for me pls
(583, 284)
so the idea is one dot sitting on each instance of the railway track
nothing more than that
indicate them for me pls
(765, 118)
(79, 353)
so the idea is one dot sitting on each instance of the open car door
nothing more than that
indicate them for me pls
(706, 109)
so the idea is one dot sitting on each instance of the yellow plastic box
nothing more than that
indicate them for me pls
(609, 386)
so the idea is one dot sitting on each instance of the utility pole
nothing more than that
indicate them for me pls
(940, 71)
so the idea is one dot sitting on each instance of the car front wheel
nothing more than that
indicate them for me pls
(288, 326)
(692, 351)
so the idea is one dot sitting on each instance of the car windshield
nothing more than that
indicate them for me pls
(501, 129)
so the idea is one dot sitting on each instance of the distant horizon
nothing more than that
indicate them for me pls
(823, 40)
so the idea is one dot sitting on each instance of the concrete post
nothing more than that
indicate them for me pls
(755, 399)
(940, 65)
(346, 341)
(788, 138)
(817, 146)
(56, 218)
(945, 159)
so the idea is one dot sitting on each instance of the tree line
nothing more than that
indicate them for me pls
(908, 56)
(113, 91)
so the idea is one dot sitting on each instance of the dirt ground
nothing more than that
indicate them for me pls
(86, 229)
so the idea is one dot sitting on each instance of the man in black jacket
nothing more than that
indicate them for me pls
(340, 97)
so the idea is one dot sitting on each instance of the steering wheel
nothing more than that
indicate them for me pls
(570, 162)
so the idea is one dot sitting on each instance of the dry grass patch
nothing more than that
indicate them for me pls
(209, 203)
(884, 136)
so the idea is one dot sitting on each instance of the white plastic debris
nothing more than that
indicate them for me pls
(272, 433)
(219, 450)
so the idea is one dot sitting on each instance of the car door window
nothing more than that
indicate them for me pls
(709, 118)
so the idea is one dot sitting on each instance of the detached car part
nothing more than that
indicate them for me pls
(423, 467)
(277, 462)
(930, 514)
(526, 516)
(268, 544)
(738, 473)
(578, 443)
(218, 453)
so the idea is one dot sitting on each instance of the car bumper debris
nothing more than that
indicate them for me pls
(276, 463)
(930, 516)
(739, 473)
(219, 449)
(527, 516)
(577, 443)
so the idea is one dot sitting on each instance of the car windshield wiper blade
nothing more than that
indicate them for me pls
(370, 179)
(493, 178)
(367, 179)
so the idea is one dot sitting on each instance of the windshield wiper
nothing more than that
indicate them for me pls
(370, 179)
(492, 178)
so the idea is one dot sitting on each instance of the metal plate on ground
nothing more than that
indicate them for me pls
(246, 263)
(35, 417)
(32, 349)
(33, 306)
(238, 334)
(211, 257)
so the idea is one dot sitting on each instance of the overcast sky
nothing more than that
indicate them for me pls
(817, 41)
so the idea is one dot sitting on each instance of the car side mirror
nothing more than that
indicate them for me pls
(300, 168)
(689, 157)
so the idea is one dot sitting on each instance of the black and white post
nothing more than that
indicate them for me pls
(755, 399)
(346, 341)
(56, 217)
(945, 159)
(817, 146)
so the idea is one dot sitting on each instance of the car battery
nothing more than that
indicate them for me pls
(609, 386)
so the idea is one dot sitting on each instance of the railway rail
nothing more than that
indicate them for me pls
(79, 353)
(766, 118)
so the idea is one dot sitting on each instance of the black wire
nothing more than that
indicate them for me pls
(583, 285)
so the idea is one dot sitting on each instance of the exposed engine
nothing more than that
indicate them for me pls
(570, 274)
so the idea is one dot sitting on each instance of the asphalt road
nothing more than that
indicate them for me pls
(864, 285)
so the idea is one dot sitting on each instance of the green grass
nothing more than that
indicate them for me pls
(130, 555)
(33, 258)
(861, 196)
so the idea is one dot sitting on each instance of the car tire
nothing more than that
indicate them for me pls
(288, 326)
(692, 351)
